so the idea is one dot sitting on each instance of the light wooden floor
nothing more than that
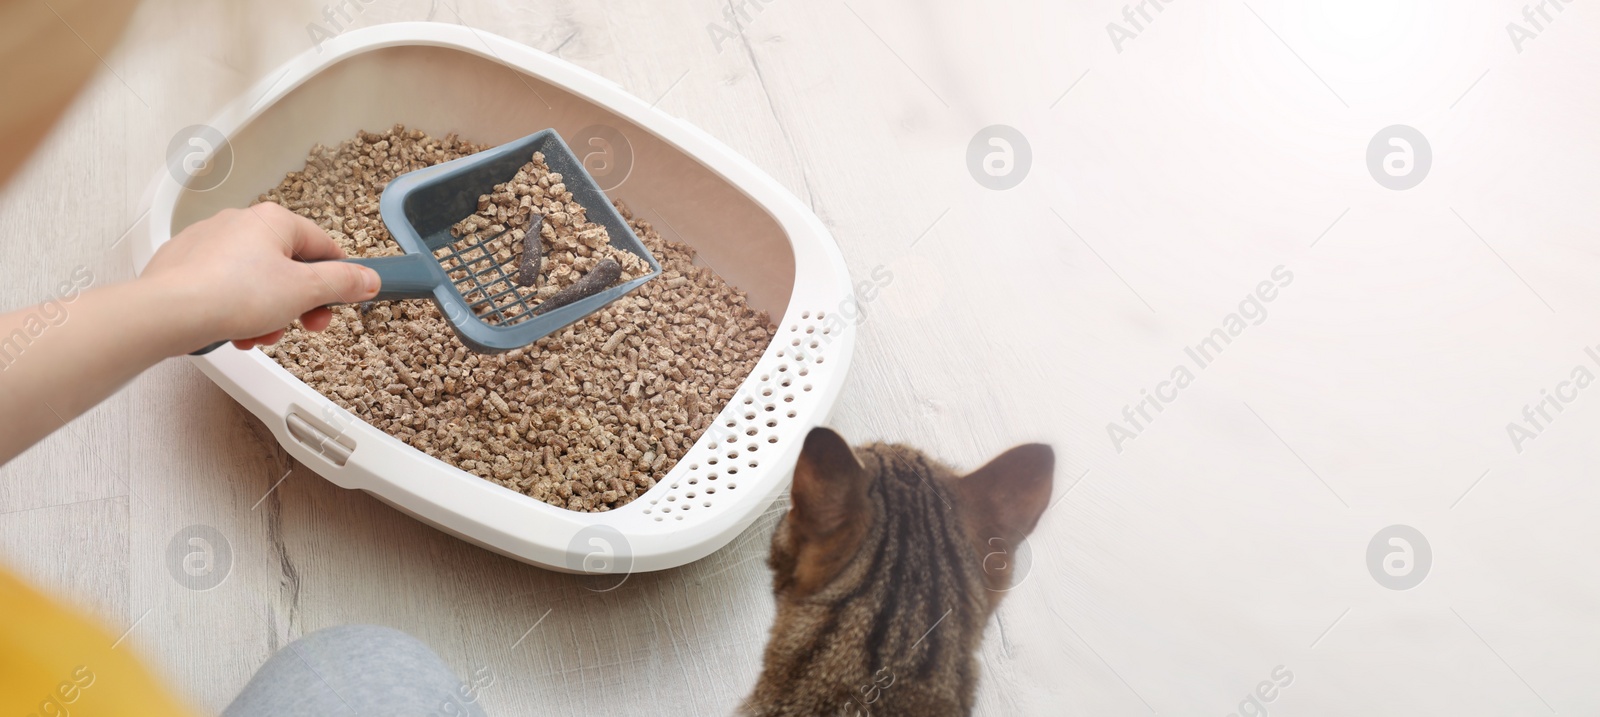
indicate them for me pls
(1172, 170)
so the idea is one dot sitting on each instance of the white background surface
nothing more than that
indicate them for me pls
(1229, 538)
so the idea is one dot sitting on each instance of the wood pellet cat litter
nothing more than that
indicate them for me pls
(586, 419)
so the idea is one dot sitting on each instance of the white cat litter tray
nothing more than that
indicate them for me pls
(448, 78)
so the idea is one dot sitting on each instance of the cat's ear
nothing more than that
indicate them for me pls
(1005, 498)
(830, 486)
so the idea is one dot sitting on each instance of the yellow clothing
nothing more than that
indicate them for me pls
(56, 663)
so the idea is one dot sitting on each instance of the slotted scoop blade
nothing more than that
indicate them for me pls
(418, 209)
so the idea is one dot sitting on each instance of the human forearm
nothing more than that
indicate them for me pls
(241, 275)
(60, 358)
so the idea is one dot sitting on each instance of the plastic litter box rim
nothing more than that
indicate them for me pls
(653, 532)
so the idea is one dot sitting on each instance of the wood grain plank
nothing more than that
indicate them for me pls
(1176, 574)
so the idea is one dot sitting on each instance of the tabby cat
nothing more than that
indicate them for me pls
(886, 569)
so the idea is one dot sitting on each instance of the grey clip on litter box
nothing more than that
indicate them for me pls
(420, 207)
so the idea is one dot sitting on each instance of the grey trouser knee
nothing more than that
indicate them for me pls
(362, 670)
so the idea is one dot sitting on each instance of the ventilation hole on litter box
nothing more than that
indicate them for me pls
(694, 481)
(785, 383)
(694, 466)
(732, 438)
(789, 398)
(795, 342)
(672, 498)
(772, 423)
(780, 353)
(674, 486)
(751, 416)
(679, 517)
(794, 327)
(659, 518)
(769, 407)
(690, 495)
(791, 414)
(753, 464)
(713, 461)
(807, 387)
(732, 423)
(687, 507)
(752, 448)
(733, 455)
(706, 504)
(731, 471)
(783, 368)
(805, 314)
(766, 377)
(811, 329)
(821, 315)
(814, 344)
(750, 431)
(731, 486)
(819, 359)
(646, 511)
(772, 439)
(711, 491)
(748, 400)
(805, 371)
(766, 392)
(667, 509)
(713, 476)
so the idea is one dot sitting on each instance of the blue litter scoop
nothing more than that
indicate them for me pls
(419, 207)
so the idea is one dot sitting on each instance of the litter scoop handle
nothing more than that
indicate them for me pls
(408, 276)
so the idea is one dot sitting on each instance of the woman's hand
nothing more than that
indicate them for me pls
(246, 274)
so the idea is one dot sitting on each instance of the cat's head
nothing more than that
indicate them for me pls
(885, 569)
